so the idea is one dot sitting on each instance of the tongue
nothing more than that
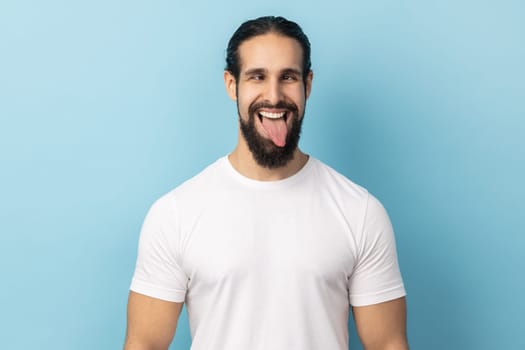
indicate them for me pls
(277, 130)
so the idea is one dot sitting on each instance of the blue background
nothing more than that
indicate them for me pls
(106, 105)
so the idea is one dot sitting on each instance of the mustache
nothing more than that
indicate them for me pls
(279, 105)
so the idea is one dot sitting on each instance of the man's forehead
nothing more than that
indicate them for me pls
(270, 51)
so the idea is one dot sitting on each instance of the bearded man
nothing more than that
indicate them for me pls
(268, 247)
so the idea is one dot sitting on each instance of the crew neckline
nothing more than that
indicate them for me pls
(271, 183)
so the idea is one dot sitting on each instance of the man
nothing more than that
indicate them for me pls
(268, 247)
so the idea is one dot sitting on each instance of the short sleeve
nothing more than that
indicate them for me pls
(376, 277)
(158, 273)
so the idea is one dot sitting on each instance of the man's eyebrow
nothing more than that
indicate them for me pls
(254, 71)
(291, 71)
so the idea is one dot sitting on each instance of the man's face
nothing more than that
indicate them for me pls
(271, 96)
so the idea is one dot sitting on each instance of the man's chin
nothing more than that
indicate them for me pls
(271, 148)
(272, 156)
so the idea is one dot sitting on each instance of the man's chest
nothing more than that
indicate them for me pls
(256, 247)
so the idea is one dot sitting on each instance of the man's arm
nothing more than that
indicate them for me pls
(151, 322)
(382, 326)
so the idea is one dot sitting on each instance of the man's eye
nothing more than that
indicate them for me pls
(257, 77)
(288, 77)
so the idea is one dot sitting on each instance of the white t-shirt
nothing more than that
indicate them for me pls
(268, 265)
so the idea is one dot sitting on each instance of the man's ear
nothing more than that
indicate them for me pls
(308, 87)
(231, 85)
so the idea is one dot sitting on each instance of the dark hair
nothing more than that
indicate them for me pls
(264, 25)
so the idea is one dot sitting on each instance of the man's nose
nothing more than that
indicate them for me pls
(273, 91)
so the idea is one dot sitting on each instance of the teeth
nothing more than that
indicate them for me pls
(272, 115)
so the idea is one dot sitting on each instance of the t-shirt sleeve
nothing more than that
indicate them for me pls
(376, 277)
(158, 271)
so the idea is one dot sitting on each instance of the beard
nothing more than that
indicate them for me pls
(264, 151)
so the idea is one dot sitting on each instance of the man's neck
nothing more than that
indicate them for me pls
(243, 161)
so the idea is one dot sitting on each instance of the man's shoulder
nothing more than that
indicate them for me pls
(338, 182)
(205, 177)
(195, 187)
(356, 199)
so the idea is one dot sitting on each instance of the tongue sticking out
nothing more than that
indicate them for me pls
(277, 130)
